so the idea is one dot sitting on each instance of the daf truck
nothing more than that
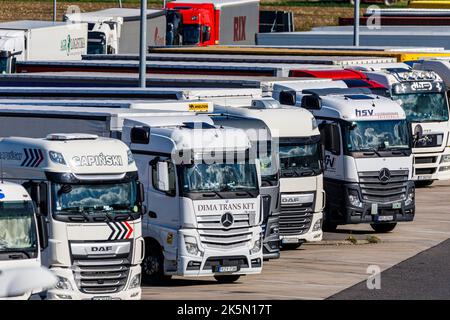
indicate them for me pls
(23, 231)
(368, 161)
(422, 96)
(116, 30)
(301, 182)
(211, 22)
(29, 40)
(87, 189)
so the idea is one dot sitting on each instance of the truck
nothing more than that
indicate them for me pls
(29, 40)
(211, 22)
(368, 162)
(297, 137)
(421, 94)
(22, 230)
(87, 189)
(205, 227)
(116, 30)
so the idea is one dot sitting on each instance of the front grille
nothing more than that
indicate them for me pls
(101, 276)
(424, 160)
(295, 219)
(374, 190)
(215, 236)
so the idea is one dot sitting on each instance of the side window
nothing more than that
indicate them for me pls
(331, 139)
(172, 178)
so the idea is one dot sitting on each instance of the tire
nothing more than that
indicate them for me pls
(227, 279)
(329, 227)
(383, 227)
(291, 246)
(153, 265)
(423, 183)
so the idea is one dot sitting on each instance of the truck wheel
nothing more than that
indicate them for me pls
(423, 183)
(291, 246)
(329, 227)
(227, 279)
(153, 265)
(383, 227)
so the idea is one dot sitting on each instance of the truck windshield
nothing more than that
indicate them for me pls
(191, 34)
(90, 199)
(299, 158)
(17, 228)
(383, 135)
(219, 177)
(96, 48)
(424, 107)
(3, 65)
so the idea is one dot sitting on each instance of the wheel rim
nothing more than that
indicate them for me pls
(151, 265)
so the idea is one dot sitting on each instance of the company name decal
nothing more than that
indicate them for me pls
(239, 28)
(70, 44)
(380, 115)
(226, 206)
(11, 156)
(99, 160)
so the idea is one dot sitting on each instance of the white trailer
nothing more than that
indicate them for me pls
(116, 30)
(29, 40)
(20, 240)
(87, 189)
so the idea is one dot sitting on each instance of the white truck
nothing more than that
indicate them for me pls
(22, 230)
(209, 221)
(422, 95)
(368, 158)
(116, 30)
(87, 188)
(301, 181)
(29, 40)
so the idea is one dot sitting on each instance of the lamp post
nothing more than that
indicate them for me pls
(356, 24)
(54, 10)
(143, 45)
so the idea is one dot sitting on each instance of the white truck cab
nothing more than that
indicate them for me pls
(87, 189)
(203, 197)
(368, 157)
(422, 95)
(301, 181)
(20, 241)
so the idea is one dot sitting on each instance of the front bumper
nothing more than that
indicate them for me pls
(76, 294)
(271, 242)
(375, 212)
(432, 166)
(207, 261)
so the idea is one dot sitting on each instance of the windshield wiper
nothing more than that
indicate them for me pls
(77, 211)
(373, 150)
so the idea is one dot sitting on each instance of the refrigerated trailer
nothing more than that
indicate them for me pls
(204, 215)
(211, 22)
(29, 40)
(116, 30)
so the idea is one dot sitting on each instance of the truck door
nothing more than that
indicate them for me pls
(333, 153)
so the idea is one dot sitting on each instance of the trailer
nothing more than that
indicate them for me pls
(28, 40)
(116, 30)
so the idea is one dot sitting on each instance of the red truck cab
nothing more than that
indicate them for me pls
(352, 78)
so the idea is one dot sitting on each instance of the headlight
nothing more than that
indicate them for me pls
(317, 226)
(63, 284)
(135, 282)
(314, 123)
(274, 230)
(256, 246)
(353, 198)
(130, 157)
(57, 157)
(410, 198)
(445, 158)
(191, 246)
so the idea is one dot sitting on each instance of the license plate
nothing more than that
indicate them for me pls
(385, 218)
(374, 209)
(225, 269)
(289, 240)
(396, 205)
(102, 298)
(423, 177)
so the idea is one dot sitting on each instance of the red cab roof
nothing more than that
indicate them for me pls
(339, 74)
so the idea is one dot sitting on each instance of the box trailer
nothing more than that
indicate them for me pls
(116, 30)
(29, 40)
(210, 22)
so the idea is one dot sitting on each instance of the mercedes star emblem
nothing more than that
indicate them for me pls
(384, 175)
(227, 219)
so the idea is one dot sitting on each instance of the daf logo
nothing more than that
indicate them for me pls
(101, 249)
(290, 199)
(384, 175)
(227, 220)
